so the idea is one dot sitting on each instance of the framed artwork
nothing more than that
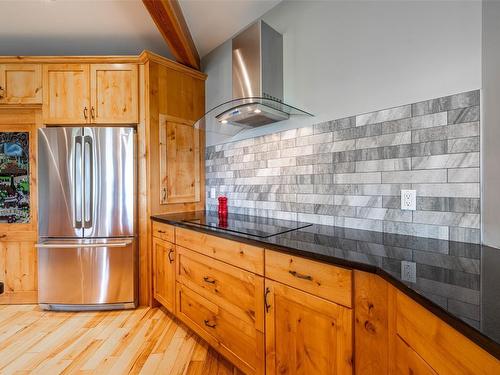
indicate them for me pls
(14, 177)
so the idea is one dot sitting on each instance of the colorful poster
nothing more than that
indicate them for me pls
(14, 177)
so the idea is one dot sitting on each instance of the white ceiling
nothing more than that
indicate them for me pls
(212, 22)
(77, 27)
(96, 27)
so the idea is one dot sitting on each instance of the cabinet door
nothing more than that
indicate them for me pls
(179, 162)
(21, 84)
(306, 334)
(66, 94)
(114, 93)
(164, 273)
(18, 255)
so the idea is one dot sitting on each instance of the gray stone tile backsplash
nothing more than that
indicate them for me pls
(349, 172)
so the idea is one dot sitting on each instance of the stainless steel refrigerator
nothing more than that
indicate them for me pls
(87, 213)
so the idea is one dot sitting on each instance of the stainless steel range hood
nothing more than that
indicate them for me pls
(257, 72)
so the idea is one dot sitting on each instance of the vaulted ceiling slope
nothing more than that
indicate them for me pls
(212, 22)
(77, 27)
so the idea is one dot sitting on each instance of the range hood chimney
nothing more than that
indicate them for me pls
(257, 64)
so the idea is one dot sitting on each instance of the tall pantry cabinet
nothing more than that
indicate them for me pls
(174, 159)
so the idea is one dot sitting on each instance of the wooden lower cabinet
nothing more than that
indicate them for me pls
(445, 350)
(302, 317)
(306, 334)
(233, 337)
(164, 273)
(237, 291)
(396, 335)
(408, 362)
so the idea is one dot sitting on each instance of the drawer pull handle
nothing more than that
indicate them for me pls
(208, 324)
(162, 231)
(300, 276)
(3, 235)
(266, 304)
(208, 280)
(170, 259)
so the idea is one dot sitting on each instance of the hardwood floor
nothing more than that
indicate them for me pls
(142, 341)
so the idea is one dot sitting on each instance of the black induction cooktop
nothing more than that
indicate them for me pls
(256, 226)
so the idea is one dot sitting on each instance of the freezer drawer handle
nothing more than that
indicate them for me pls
(80, 245)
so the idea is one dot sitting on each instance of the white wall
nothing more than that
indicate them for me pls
(344, 58)
(491, 124)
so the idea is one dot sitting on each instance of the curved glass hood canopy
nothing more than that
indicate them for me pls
(233, 116)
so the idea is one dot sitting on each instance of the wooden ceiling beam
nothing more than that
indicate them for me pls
(168, 17)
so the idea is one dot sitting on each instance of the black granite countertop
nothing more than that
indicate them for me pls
(459, 282)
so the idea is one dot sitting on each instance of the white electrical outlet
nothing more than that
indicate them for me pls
(409, 271)
(409, 200)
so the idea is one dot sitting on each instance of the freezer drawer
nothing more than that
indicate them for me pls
(87, 273)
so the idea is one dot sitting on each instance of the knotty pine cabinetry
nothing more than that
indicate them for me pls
(308, 316)
(18, 256)
(171, 167)
(220, 295)
(90, 94)
(274, 313)
(396, 335)
(176, 98)
(20, 83)
(163, 250)
(115, 90)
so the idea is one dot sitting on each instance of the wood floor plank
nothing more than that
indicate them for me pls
(142, 341)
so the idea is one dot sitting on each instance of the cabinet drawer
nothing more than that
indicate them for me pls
(164, 231)
(320, 279)
(409, 362)
(232, 337)
(239, 291)
(442, 347)
(250, 258)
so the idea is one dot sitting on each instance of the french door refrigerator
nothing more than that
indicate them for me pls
(87, 211)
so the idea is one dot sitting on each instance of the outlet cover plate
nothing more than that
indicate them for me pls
(409, 200)
(409, 271)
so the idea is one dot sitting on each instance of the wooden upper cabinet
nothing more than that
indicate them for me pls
(306, 334)
(20, 83)
(90, 94)
(179, 162)
(183, 97)
(114, 93)
(66, 98)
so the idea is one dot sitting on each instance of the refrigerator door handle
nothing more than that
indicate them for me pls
(81, 245)
(88, 210)
(77, 186)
